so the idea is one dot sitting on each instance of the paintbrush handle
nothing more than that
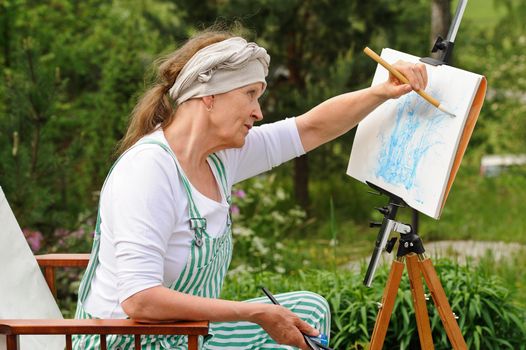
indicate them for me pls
(399, 75)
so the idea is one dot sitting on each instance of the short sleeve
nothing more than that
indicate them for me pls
(143, 201)
(266, 146)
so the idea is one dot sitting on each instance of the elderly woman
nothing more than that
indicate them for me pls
(163, 238)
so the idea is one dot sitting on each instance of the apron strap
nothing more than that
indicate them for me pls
(197, 222)
(222, 175)
(196, 218)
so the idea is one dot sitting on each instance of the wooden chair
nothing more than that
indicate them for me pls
(14, 328)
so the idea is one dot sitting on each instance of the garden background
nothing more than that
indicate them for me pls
(71, 71)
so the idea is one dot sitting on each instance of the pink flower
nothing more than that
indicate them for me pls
(78, 233)
(240, 194)
(60, 232)
(33, 238)
(234, 209)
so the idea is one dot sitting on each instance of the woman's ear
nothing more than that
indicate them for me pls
(209, 102)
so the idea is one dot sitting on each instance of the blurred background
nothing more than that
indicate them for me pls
(71, 71)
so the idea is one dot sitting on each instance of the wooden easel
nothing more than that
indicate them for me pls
(417, 265)
(410, 252)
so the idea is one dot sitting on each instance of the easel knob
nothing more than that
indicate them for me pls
(383, 210)
(375, 224)
(390, 244)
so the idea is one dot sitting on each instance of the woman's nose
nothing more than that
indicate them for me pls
(257, 114)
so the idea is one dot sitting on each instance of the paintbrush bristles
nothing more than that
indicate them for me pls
(446, 110)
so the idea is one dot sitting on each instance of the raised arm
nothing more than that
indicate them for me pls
(339, 114)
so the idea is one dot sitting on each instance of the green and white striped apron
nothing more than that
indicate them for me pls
(203, 276)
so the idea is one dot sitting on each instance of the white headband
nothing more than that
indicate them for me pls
(219, 68)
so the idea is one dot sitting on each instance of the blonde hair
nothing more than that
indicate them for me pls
(155, 107)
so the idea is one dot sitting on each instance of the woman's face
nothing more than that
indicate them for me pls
(235, 112)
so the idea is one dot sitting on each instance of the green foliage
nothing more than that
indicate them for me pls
(71, 72)
(510, 271)
(488, 317)
(263, 214)
(67, 280)
(497, 53)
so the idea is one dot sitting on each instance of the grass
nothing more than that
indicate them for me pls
(511, 272)
(479, 208)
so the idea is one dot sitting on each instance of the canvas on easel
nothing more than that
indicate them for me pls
(410, 148)
(24, 293)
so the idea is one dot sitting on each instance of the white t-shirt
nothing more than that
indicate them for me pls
(145, 234)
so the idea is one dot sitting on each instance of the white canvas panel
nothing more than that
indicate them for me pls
(407, 146)
(24, 293)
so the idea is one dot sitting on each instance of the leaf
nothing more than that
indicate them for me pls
(476, 337)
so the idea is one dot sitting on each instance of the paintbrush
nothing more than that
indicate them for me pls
(313, 344)
(404, 80)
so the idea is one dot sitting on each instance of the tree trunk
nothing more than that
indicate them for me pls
(301, 181)
(35, 144)
(6, 32)
(301, 164)
(440, 20)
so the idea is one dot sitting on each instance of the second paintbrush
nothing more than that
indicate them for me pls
(404, 80)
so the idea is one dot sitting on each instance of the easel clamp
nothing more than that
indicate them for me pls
(401, 228)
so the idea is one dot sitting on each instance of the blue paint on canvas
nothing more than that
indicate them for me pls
(404, 146)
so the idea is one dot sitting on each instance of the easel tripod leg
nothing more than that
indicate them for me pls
(442, 305)
(419, 302)
(388, 300)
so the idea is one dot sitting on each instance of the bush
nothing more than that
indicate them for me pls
(488, 317)
(263, 213)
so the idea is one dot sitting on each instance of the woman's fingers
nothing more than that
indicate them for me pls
(306, 328)
(416, 73)
(420, 72)
(285, 327)
(423, 70)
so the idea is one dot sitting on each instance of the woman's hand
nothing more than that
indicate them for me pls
(416, 73)
(284, 326)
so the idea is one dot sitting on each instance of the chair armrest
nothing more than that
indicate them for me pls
(62, 260)
(13, 328)
(100, 326)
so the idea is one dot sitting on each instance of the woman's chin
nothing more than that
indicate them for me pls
(239, 143)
